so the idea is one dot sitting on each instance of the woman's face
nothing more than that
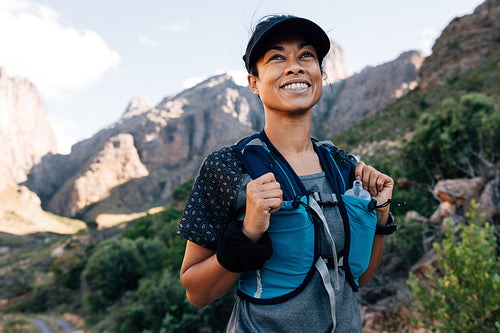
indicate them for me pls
(289, 77)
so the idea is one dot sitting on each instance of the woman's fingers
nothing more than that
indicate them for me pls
(373, 181)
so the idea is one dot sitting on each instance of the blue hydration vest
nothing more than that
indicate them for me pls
(294, 229)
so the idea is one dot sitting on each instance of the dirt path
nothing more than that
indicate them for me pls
(44, 327)
(64, 325)
(41, 325)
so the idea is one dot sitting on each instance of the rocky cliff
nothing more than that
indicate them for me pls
(136, 162)
(25, 133)
(25, 137)
(363, 95)
(464, 44)
(169, 141)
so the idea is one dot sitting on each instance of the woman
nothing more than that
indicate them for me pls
(283, 59)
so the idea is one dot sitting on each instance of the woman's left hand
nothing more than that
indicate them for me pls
(378, 184)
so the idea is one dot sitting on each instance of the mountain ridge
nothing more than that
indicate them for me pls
(172, 137)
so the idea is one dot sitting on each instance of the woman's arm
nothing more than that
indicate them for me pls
(380, 187)
(204, 279)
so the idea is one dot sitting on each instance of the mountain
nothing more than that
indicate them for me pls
(135, 163)
(25, 133)
(365, 94)
(26, 137)
(465, 43)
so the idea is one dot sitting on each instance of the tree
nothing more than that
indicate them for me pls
(461, 139)
(463, 290)
(116, 267)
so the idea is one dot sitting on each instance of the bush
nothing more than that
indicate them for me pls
(458, 140)
(115, 267)
(464, 289)
(141, 228)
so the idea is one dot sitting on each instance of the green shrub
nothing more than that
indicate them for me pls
(459, 140)
(67, 270)
(463, 291)
(115, 267)
(143, 227)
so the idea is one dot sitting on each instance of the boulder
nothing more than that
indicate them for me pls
(455, 196)
(489, 201)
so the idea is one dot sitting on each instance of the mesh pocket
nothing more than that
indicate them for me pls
(362, 224)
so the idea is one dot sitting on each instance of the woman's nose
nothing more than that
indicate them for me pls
(294, 67)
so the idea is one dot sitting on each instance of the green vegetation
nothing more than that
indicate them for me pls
(462, 293)
(128, 283)
(401, 117)
(461, 140)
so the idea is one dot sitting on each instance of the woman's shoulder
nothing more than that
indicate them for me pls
(223, 160)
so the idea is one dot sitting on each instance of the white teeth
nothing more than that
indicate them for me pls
(296, 86)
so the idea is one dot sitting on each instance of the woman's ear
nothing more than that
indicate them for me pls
(252, 82)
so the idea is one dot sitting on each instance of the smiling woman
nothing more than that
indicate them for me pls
(268, 213)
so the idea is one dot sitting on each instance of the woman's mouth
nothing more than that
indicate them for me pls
(296, 86)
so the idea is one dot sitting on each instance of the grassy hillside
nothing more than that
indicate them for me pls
(400, 118)
(378, 140)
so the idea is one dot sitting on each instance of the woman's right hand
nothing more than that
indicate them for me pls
(264, 197)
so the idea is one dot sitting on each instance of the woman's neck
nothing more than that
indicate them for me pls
(290, 135)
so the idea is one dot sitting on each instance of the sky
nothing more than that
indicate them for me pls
(89, 58)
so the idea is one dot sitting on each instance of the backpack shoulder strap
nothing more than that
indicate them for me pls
(339, 165)
(259, 157)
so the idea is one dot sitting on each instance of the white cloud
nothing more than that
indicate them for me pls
(63, 129)
(54, 57)
(179, 25)
(143, 40)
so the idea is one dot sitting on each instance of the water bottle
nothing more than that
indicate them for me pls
(357, 191)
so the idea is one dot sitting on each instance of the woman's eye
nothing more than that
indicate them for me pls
(276, 57)
(307, 54)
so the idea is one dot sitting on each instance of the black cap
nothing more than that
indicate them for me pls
(281, 25)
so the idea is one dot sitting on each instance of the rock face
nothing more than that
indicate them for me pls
(116, 163)
(334, 65)
(363, 95)
(140, 159)
(137, 106)
(150, 150)
(25, 133)
(464, 44)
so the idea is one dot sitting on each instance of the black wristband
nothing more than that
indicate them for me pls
(237, 253)
(388, 228)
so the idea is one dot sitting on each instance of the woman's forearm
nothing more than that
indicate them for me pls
(377, 250)
(375, 260)
(204, 279)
